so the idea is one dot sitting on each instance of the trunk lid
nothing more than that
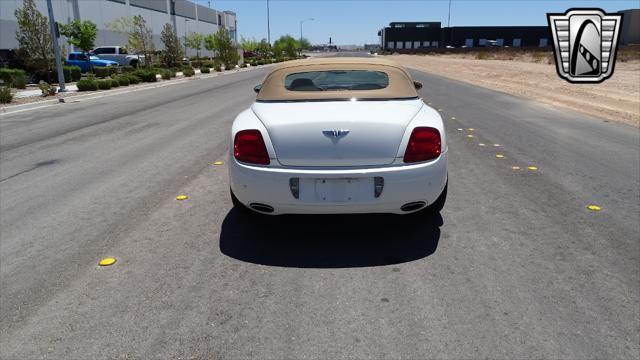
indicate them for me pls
(337, 133)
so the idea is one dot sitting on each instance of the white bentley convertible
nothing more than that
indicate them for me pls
(338, 135)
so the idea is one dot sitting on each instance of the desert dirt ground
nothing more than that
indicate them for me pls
(616, 99)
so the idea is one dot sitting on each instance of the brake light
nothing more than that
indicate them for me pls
(249, 147)
(424, 144)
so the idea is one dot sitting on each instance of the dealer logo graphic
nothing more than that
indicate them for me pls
(585, 43)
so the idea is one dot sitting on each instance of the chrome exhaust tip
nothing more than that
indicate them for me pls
(261, 207)
(412, 206)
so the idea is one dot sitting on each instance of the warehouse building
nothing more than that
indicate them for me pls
(185, 16)
(424, 35)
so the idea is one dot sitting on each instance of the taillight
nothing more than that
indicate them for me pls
(424, 144)
(248, 146)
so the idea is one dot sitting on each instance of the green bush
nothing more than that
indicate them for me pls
(165, 73)
(123, 80)
(104, 84)
(101, 71)
(114, 83)
(188, 72)
(205, 70)
(218, 67)
(5, 95)
(196, 63)
(87, 85)
(133, 79)
(16, 78)
(146, 75)
(127, 69)
(74, 73)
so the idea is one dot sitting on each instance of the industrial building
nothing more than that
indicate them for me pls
(185, 16)
(403, 36)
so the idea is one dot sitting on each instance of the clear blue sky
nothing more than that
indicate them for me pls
(358, 21)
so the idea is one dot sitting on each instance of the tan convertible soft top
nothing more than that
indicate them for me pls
(400, 83)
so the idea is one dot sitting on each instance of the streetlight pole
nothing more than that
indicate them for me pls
(268, 25)
(185, 37)
(301, 22)
(56, 48)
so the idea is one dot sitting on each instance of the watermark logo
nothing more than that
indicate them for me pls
(585, 43)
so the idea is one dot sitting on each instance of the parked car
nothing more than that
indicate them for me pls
(338, 135)
(118, 54)
(85, 61)
(249, 54)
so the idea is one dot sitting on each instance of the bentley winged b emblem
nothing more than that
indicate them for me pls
(335, 133)
(585, 43)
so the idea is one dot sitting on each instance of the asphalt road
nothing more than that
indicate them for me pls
(516, 266)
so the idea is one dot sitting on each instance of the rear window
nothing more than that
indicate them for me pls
(336, 80)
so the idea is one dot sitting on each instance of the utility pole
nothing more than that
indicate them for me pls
(302, 22)
(56, 48)
(449, 26)
(268, 25)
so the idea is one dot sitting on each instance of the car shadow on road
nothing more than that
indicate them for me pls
(329, 241)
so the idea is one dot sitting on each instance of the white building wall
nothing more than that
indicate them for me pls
(102, 12)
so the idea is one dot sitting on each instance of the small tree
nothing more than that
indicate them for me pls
(264, 49)
(286, 45)
(140, 36)
(210, 42)
(172, 55)
(248, 44)
(81, 34)
(227, 53)
(304, 44)
(194, 41)
(34, 37)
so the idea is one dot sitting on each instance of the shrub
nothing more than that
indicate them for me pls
(87, 85)
(74, 73)
(114, 83)
(133, 79)
(47, 90)
(208, 64)
(5, 95)
(165, 73)
(218, 67)
(128, 69)
(146, 75)
(196, 63)
(188, 72)
(123, 80)
(16, 78)
(205, 70)
(101, 71)
(104, 84)
(482, 55)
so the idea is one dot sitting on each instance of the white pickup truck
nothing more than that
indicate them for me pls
(118, 54)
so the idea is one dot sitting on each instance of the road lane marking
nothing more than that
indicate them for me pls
(453, 118)
(469, 136)
(182, 197)
(107, 261)
(532, 168)
(471, 129)
(481, 144)
(515, 168)
(218, 163)
(500, 156)
(496, 145)
(594, 207)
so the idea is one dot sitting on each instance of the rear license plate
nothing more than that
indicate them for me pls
(337, 190)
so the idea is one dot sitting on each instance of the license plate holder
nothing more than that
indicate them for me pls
(336, 190)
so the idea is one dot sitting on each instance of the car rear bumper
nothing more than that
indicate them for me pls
(402, 184)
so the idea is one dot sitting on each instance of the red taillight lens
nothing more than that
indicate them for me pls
(424, 144)
(248, 146)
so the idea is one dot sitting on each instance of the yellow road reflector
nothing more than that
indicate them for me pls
(471, 129)
(533, 168)
(515, 168)
(439, 109)
(496, 145)
(460, 129)
(218, 163)
(182, 197)
(107, 261)
(481, 144)
(469, 136)
(500, 156)
(453, 118)
(594, 207)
